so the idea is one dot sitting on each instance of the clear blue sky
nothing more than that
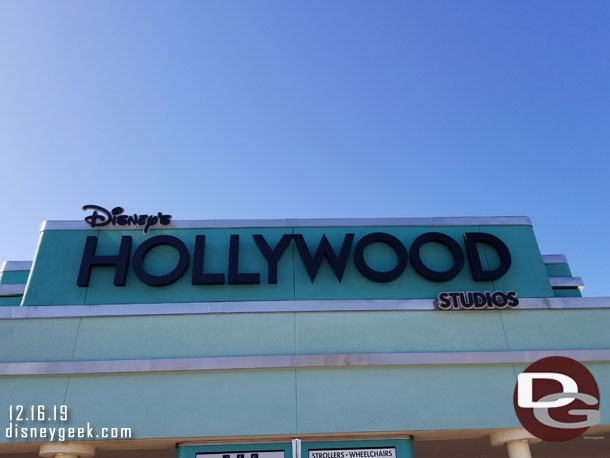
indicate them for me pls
(264, 109)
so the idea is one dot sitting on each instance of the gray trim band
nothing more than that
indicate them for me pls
(9, 290)
(554, 259)
(293, 361)
(11, 266)
(567, 282)
(80, 225)
(195, 308)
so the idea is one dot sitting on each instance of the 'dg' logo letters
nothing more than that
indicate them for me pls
(557, 399)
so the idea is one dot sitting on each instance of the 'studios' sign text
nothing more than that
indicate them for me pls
(477, 300)
(311, 257)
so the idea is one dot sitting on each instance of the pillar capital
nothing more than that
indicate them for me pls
(517, 441)
(504, 436)
(64, 450)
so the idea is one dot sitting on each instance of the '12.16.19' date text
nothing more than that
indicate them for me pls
(38, 413)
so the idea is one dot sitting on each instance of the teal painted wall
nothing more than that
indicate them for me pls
(558, 270)
(185, 336)
(288, 401)
(293, 401)
(567, 292)
(12, 277)
(10, 301)
(50, 285)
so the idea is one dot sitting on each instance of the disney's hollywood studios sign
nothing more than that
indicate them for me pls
(312, 255)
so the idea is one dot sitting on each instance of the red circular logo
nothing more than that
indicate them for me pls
(556, 399)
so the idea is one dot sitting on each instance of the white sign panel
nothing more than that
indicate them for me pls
(261, 454)
(389, 452)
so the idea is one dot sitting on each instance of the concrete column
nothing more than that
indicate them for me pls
(517, 441)
(63, 450)
(518, 449)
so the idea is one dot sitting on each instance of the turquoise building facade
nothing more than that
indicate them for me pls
(290, 348)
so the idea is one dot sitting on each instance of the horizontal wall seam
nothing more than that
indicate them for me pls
(566, 282)
(79, 225)
(12, 289)
(294, 361)
(554, 259)
(344, 305)
(16, 266)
